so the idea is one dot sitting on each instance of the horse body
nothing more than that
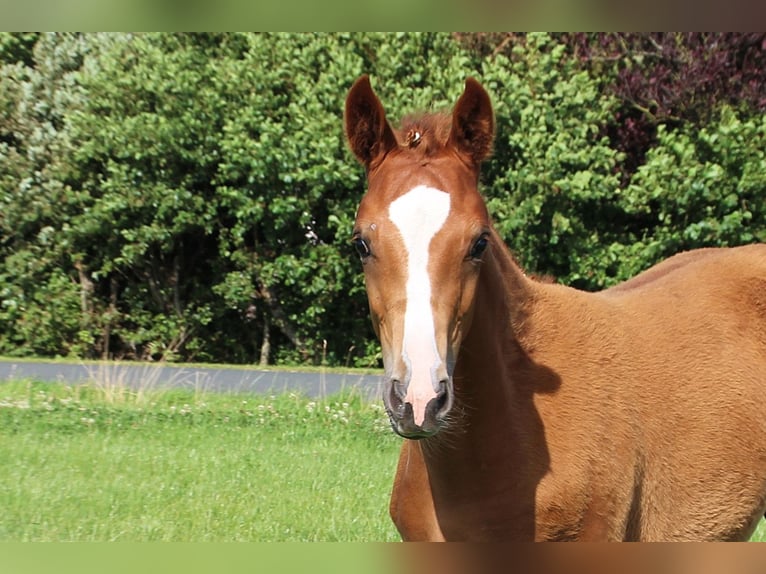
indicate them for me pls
(610, 425)
(543, 412)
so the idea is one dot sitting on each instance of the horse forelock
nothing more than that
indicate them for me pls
(426, 133)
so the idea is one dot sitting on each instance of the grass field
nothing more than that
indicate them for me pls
(82, 464)
(179, 466)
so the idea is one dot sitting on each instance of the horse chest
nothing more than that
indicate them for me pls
(504, 499)
(516, 516)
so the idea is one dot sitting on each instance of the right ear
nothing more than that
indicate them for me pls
(367, 130)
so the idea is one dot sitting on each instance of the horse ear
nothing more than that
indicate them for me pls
(368, 132)
(473, 125)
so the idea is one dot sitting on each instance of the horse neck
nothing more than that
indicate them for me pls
(488, 372)
(493, 452)
(504, 298)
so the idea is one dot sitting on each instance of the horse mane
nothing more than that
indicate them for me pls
(424, 132)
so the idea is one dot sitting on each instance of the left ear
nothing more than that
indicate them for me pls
(368, 132)
(473, 124)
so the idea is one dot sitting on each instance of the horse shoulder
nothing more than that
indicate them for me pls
(588, 414)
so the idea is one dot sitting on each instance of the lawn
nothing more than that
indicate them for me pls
(82, 464)
(183, 466)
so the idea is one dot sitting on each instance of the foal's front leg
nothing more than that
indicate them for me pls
(412, 505)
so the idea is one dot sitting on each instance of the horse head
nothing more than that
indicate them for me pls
(422, 231)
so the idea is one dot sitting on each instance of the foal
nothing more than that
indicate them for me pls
(534, 411)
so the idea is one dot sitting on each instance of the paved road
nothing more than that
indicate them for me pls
(208, 379)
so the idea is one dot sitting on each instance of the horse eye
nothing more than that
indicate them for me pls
(478, 248)
(361, 247)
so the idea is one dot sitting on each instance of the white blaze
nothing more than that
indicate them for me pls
(418, 215)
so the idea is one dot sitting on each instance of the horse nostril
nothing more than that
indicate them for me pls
(396, 394)
(442, 402)
(398, 388)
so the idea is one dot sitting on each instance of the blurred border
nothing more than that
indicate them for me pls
(347, 558)
(193, 558)
(586, 558)
(399, 15)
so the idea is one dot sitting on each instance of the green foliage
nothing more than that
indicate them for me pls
(39, 308)
(551, 184)
(18, 47)
(700, 186)
(287, 189)
(146, 155)
(191, 196)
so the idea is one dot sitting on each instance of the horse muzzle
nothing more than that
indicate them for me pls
(415, 415)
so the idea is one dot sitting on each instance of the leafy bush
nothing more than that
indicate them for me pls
(673, 78)
(700, 186)
(552, 182)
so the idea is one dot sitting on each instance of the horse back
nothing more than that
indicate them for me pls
(737, 261)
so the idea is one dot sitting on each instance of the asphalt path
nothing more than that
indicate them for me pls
(229, 379)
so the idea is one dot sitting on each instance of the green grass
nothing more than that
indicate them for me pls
(179, 466)
(81, 463)
(760, 533)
